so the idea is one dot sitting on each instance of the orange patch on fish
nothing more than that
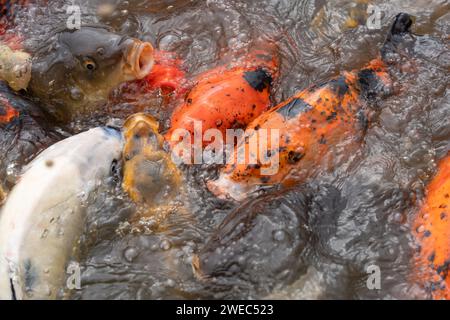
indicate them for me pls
(7, 112)
(432, 230)
(167, 73)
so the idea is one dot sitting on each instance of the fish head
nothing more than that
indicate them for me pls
(77, 70)
(149, 176)
(141, 132)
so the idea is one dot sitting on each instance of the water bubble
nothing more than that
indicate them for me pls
(170, 283)
(165, 245)
(279, 235)
(11, 172)
(130, 254)
(241, 260)
(398, 217)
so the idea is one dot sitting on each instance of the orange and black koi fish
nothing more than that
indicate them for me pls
(432, 230)
(310, 125)
(225, 98)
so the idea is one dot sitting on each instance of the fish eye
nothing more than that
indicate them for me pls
(90, 64)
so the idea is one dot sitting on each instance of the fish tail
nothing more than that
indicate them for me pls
(398, 36)
(374, 79)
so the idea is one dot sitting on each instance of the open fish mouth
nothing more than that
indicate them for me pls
(140, 59)
(143, 120)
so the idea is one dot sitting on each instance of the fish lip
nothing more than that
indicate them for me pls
(132, 121)
(140, 59)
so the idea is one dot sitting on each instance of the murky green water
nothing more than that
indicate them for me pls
(356, 215)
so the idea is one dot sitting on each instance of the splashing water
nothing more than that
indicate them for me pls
(359, 214)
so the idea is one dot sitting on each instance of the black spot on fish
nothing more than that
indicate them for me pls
(322, 140)
(339, 85)
(293, 108)
(258, 79)
(254, 166)
(431, 257)
(427, 233)
(294, 157)
(332, 116)
(265, 179)
(444, 268)
(369, 83)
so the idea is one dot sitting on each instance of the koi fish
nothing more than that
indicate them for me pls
(310, 125)
(150, 176)
(226, 98)
(43, 215)
(432, 230)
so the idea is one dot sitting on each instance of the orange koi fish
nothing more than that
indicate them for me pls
(432, 230)
(225, 98)
(309, 126)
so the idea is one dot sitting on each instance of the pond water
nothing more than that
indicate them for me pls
(350, 217)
